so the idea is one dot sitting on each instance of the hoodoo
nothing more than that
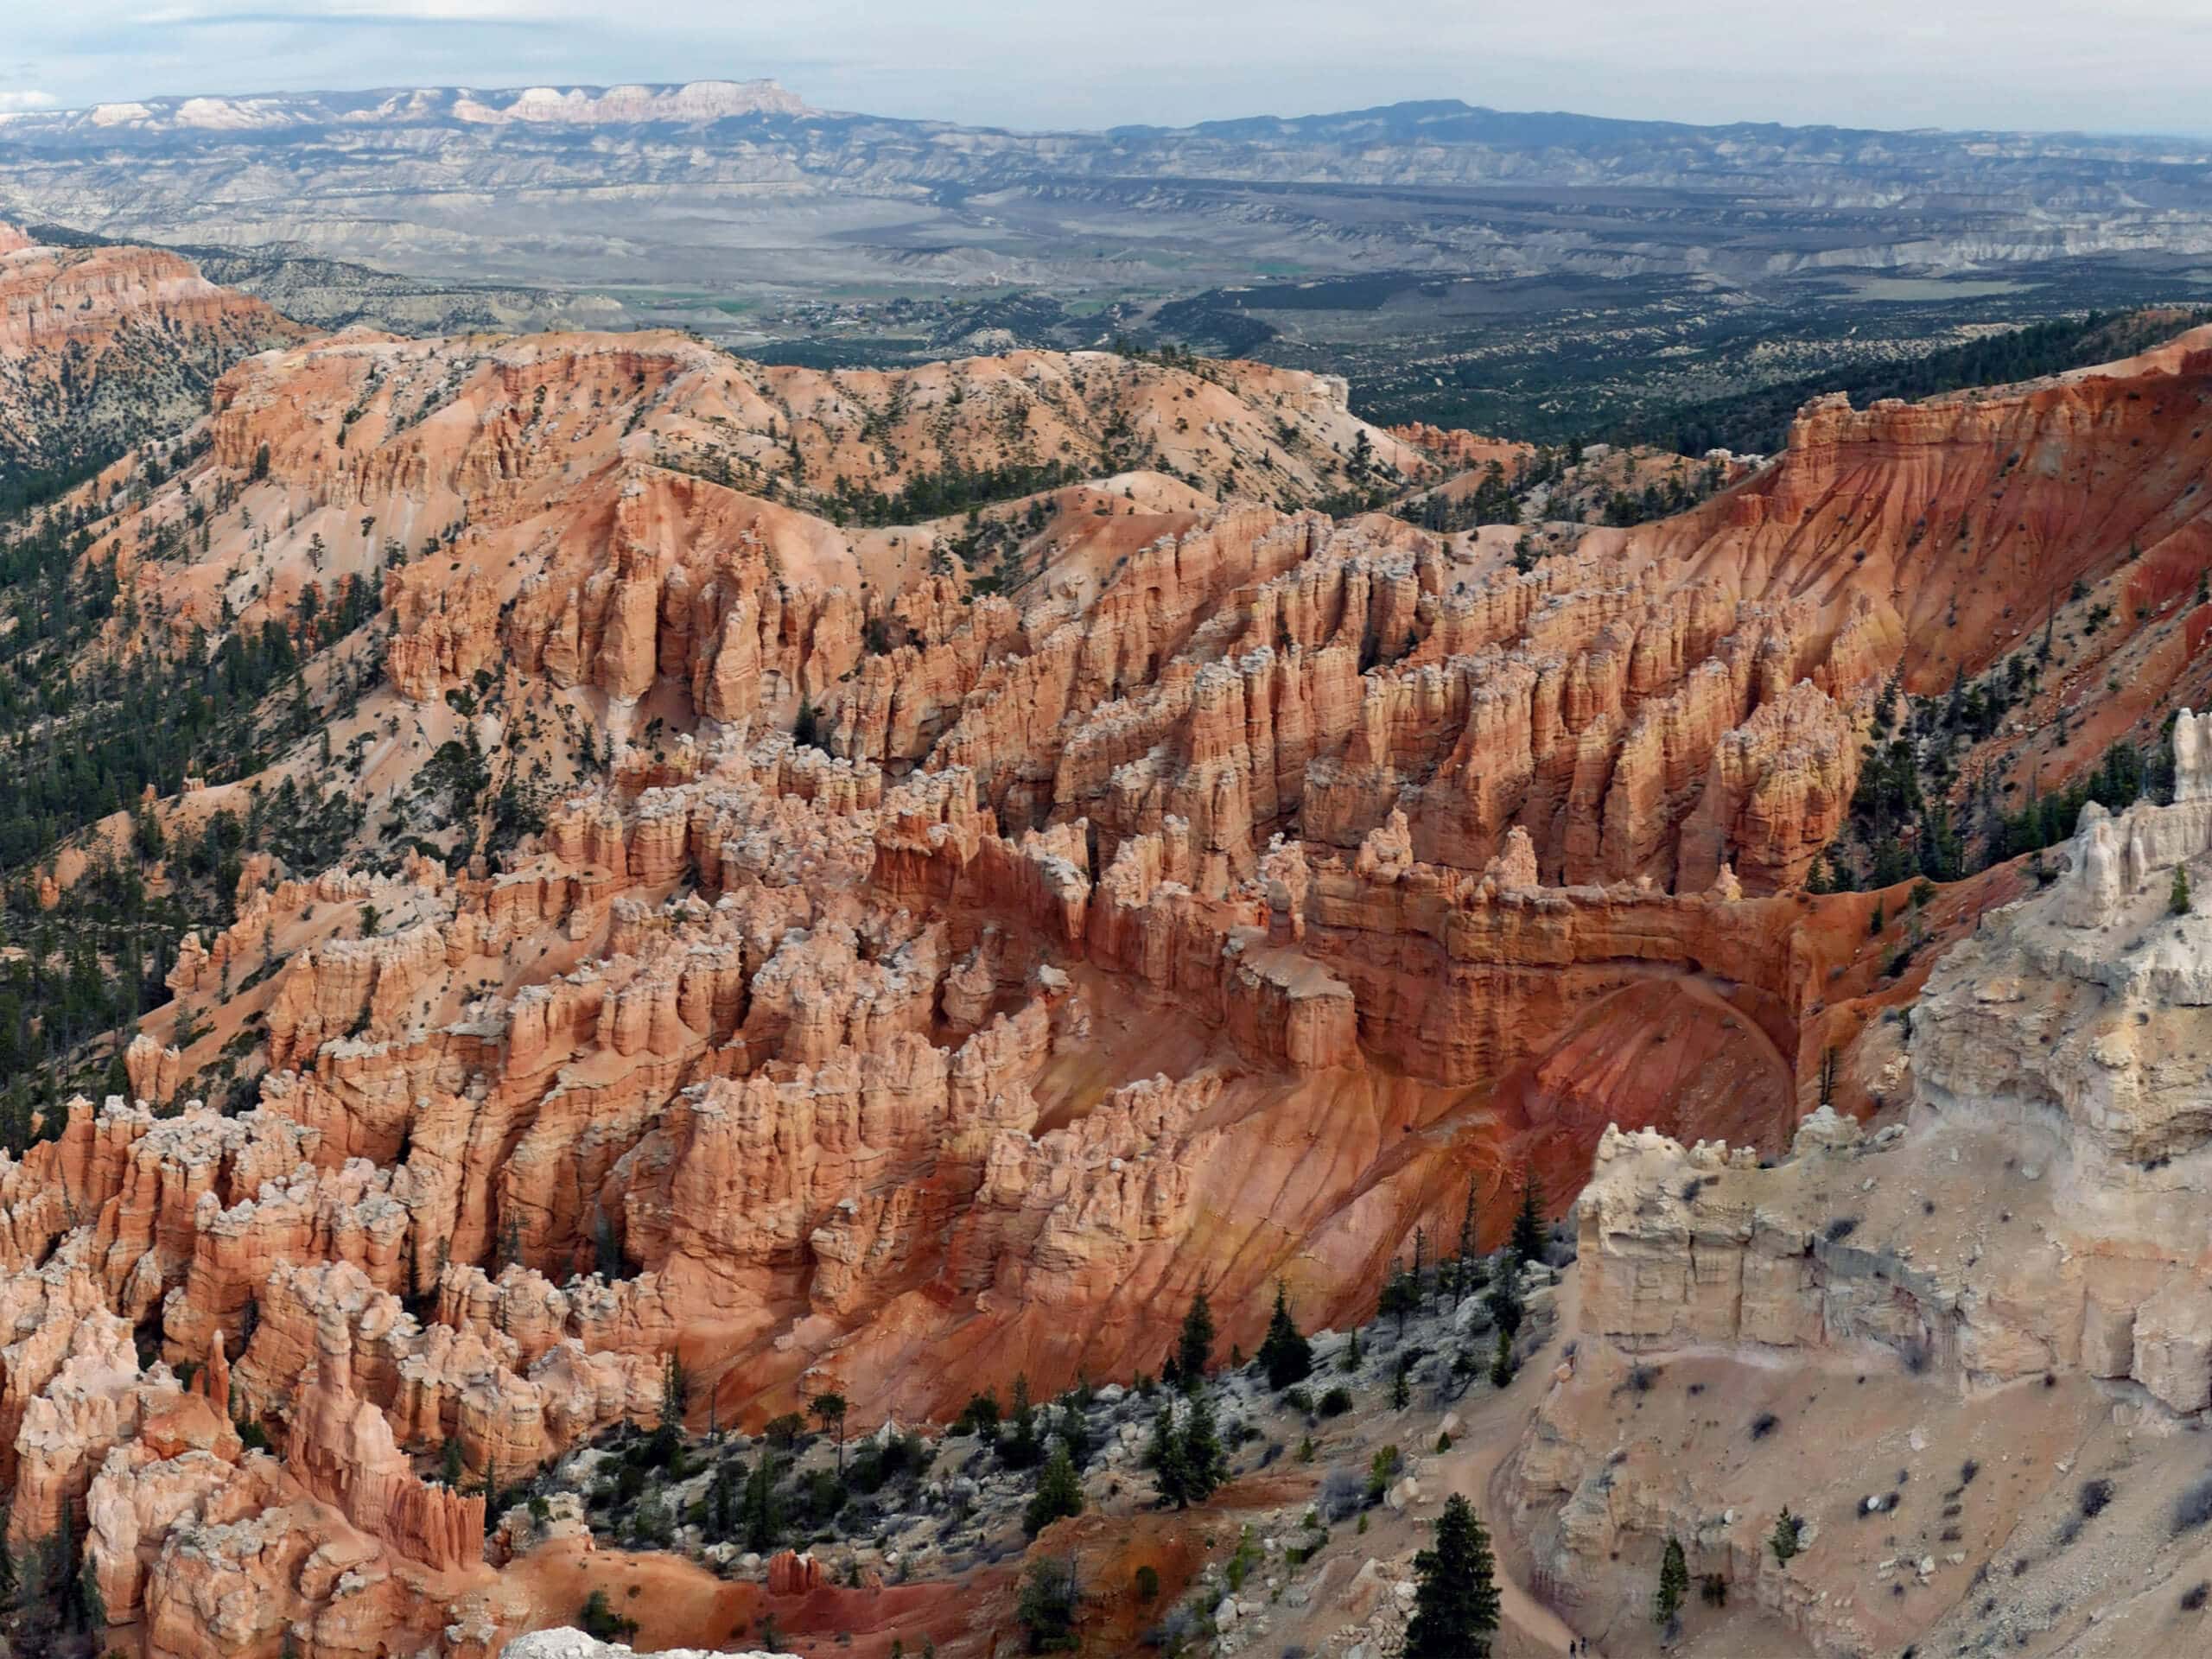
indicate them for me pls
(638, 977)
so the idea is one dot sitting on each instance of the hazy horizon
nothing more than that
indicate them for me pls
(494, 88)
(1892, 65)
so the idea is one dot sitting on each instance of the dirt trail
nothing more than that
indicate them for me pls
(1492, 1430)
(1545, 1630)
(1491, 1424)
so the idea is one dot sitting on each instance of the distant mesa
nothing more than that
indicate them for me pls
(689, 103)
(697, 100)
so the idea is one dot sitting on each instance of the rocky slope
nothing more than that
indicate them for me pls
(101, 347)
(2008, 1283)
(870, 883)
(329, 295)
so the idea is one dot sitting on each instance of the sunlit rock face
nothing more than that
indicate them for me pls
(937, 949)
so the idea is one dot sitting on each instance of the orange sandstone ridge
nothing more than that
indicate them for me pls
(1183, 888)
(101, 346)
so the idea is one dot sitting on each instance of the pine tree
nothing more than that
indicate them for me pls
(1462, 1269)
(1194, 1353)
(92, 1604)
(1456, 1603)
(721, 1503)
(1202, 1449)
(675, 1392)
(1501, 1365)
(1074, 1433)
(1673, 1584)
(1285, 1354)
(762, 1514)
(830, 1411)
(1784, 1539)
(1168, 1458)
(2177, 899)
(1048, 1606)
(1020, 1448)
(600, 1620)
(980, 1417)
(1399, 1297)
(1503, 1298)
(1059, 1493)
(1528, 1222)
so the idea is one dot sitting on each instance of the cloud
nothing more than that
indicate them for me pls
(27, 99)
(346, 14)
(342, 15)
(444, 11)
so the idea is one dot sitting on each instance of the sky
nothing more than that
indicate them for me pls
(2109, 65)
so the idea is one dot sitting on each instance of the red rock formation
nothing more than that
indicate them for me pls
(1210, 901)
(57, 300)
(1463, 449)
(121, 338)
(341, 1449)
(792, 1574)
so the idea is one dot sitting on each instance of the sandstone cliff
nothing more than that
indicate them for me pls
(882, 958)
(102, 347)
(2016, 1265)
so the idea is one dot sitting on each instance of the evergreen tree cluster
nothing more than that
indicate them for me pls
(1901, 823)
(1756, 421)
(1185, 1453)
(1495, 497)
(1662, 498)
(87, 733)
(950, 489)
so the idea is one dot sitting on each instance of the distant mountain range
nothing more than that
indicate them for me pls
(692, 103)
(720, 182)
